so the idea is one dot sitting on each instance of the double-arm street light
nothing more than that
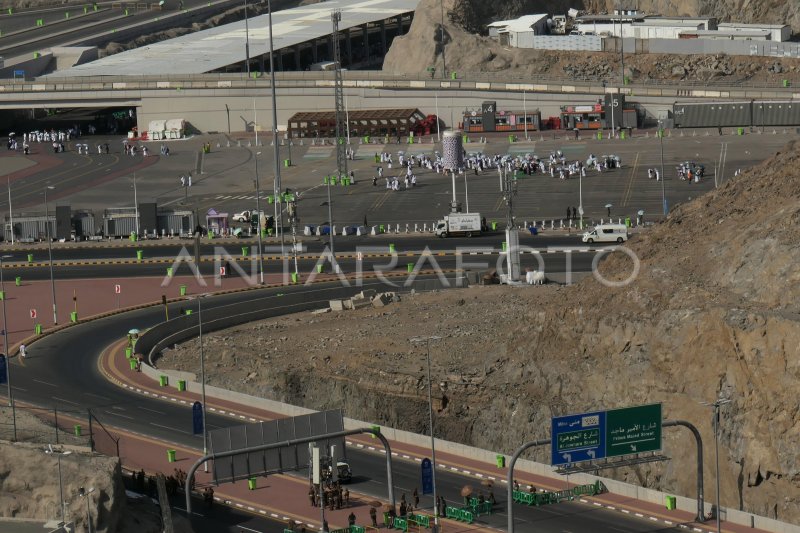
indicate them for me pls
(5, 347)
(83, 493)
(62, 503)
(199, 299)
(716, 405)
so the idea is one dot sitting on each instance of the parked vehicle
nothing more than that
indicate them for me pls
(607, 233)
(244, 216)
(455, 224)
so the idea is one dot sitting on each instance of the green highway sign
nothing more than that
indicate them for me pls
(633, 430)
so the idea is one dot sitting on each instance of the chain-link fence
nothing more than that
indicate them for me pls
(54, 426)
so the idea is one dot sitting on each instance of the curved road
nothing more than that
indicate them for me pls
(61, 370)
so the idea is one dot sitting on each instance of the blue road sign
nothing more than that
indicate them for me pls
(197, 418)
(427, 476)
(578, 438)
(3, 374)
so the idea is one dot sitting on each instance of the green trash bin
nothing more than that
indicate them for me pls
(271, 199)
(139, 255)
(183, 290)
(671, 500)
(622, 135)
(410, 267)
(294, 277)
(265, 232)
(2, 295)
(251, 483)
(245, 251)
(189, 311)
(73, 317)
(181, 385)
(464, 139)
(740, 131)
(128, 352)
(287, 163)
(454, 75)
(320, 269)
(333, 180)
(382, 229)
(211, 234)
(30, 258)
(163, 380)
(133, 236)
(324, 180)
(18, 281)
(505, 245)
(494, 225)
(171, 456)
(169, 272)
(500, 461)
(77, 429)
(392, 249)
(785, 83)
(599, 135)
(37, 329)
(132, 363)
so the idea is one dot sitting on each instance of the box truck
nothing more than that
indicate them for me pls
(456, 224)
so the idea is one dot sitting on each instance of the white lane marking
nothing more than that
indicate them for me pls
(65, 401)
(152, 411)
(45, 383)
(119, 414)
(19, 388)
(96, 396)
(170, 428)
(247, 528)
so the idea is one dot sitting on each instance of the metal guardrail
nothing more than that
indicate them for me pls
(365, 79)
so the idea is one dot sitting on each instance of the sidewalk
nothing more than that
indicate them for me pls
(115, 367)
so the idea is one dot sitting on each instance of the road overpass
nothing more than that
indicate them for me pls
(225, 102)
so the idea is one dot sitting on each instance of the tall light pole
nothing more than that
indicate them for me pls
(10, 213)
(466, 190)
(277, 184)
(580, 196)
(716, 405)
(5, 343)
(663, 190)
(63, 503)
(136, 204)
(246, 41)
(50, 252)
(427, 341)
(258, 202)
(441, 34)
(202, 375)
(83, 493)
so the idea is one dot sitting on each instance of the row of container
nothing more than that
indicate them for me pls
(111, 223)
(736, 114)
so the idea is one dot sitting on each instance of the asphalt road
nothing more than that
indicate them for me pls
(349, 244)
(62, 370)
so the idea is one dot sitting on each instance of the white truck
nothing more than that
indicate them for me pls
(607, 233)
(454, 224)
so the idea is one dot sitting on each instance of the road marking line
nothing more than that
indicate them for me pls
(152, 410)
(611, 507)
(45, 383)
(640, 515)
(120, 415)
(65, 401)
(654, 519)
(171, 428)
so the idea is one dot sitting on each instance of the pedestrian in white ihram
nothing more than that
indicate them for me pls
(22, 351)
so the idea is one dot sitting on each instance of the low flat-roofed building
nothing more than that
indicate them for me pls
(778, 32)
(518, 32)
(749, 35)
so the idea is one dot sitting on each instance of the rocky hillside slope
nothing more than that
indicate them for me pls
(467, 52)
(712, 312)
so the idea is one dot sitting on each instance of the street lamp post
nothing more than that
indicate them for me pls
(10, 213)
(5, 348)
(136, 204)
(50, 252)
(246, 41)
(716, 405)
(277, 184)
(83, 493)
(663, 190)
(202, 376)
(427, 341)
(63, 503)
(580, 197)
(466, 190)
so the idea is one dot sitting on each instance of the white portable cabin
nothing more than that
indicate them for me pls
(176, 128)
(155, 130)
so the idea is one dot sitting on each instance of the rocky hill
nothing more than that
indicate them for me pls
(468, 52)
(712, 312)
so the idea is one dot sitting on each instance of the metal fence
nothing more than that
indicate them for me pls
(44, 426)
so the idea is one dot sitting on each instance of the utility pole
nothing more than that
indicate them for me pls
(341, 148)
(441, 36)
(277, 184)
(512, 235)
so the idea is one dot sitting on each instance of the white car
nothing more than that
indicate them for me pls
(244, 216)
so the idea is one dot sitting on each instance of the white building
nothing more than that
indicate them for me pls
(641, 27)
(519, 32)
(778, 32)
(716, 35)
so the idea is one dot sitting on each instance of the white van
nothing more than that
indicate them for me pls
(607, 233)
